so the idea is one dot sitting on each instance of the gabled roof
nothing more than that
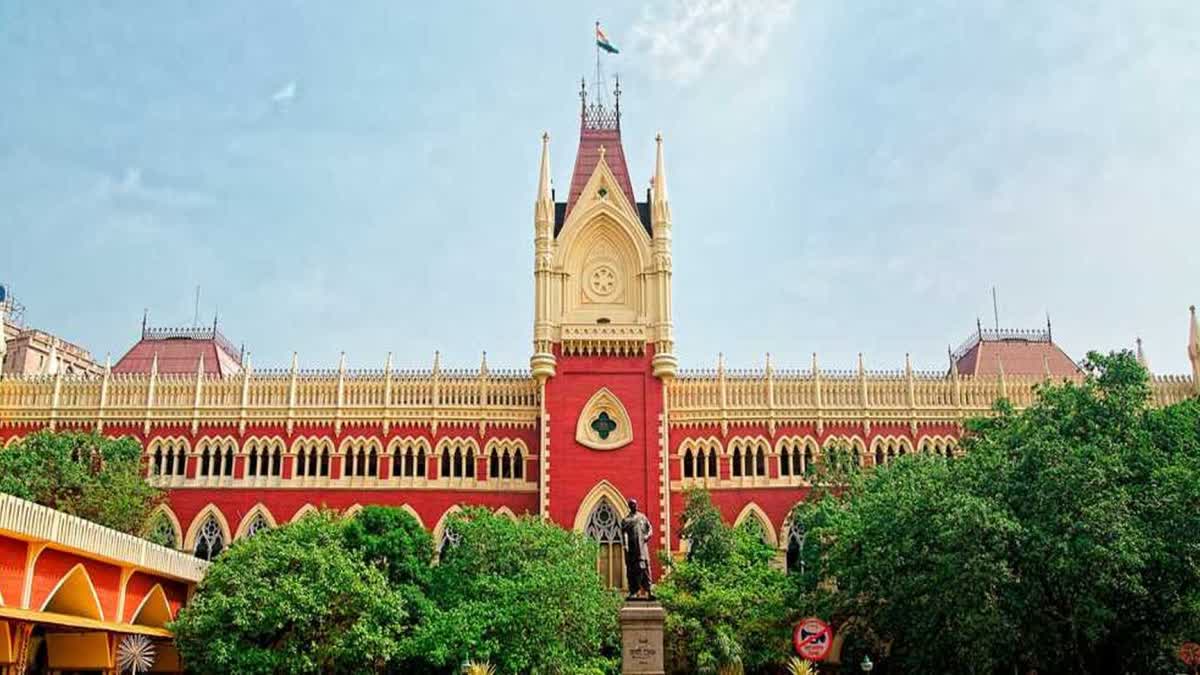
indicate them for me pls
(588, 155)
(1019, 352)
(179, 351)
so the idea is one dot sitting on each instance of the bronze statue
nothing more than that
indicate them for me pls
(635, 538)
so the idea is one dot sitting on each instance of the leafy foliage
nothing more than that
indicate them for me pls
(524, 595)
(83, 474)
(725, 603)
(393, 541)
(293, 599)
(1063, 541)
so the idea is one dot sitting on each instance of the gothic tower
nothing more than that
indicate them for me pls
(603, 342)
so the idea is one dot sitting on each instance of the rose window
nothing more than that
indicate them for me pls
(603, 280)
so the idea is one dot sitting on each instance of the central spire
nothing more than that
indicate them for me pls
(599, 127)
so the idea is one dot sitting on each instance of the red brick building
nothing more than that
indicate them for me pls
(602, 415)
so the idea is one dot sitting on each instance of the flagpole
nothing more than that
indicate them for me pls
(596, 39)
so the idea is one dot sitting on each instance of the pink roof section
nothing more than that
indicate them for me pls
(1020, 357)
(588, 156)
(179, 353)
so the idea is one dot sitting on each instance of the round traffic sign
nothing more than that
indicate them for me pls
(1189, 653)
(812, 638)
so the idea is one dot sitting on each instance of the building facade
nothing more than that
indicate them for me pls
(603, 413)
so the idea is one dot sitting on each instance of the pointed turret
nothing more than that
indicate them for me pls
(1194, 348)
(543, 217)
(1141, 355)
(660, 206)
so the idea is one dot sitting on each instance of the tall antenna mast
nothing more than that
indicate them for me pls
(599, 86)
(196, 311)
(995, 309)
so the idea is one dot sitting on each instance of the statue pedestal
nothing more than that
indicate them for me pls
(642, 638)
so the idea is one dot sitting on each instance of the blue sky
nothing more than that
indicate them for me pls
(845, 176)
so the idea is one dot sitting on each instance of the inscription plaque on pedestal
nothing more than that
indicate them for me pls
(642, 638)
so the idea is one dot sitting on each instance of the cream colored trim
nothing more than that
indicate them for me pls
(258, 508)
(352, 511)
(210, 509)
(929, 444)
(303, 511)
(78, 569)
(413, 512)
(753, 510)
(164, 509)
(155, 593)
(601, 490)
(220, 443)
(506, 512)
(36, 523)
(440, 527)
(604, 401)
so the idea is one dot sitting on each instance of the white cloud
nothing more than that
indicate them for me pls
(285, 93)
(131, 190)
(683, 38)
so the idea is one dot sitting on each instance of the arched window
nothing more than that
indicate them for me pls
(604, 526)
(257, 525)
(450, 539)
(301, 469)
(277, 461)
(689, 469)
(735, 468)
(162, 531)
(324, 469)
(760, 461)
(252, 460)
(755, 526)
(809, 454)
(712, 463)
(204, 462)
(157, 467)
(795, 549)
(210, 542)
(518, 464)
(879, 455)
(445, 463)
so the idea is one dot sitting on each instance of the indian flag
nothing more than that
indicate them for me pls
(603, 43)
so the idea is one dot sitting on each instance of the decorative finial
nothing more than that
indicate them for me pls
(907, 363)
(387, 365)
(814, 363)
(295, 362)
(342, 362)
(437, 361)
(483, 367)
(215, 315)
(861, 369)
(153, 364)
(145, 319)
(108, 362)
(602, 153)
(200, 365)
(1049, 332)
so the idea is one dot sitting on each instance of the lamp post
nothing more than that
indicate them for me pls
(866, 664)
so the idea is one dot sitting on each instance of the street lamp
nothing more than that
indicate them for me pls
(866, 664)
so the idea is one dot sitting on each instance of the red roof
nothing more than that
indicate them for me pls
(588, 156)
(1020, 356)
(179, 352)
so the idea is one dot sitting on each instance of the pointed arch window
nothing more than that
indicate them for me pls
(604, 527)
(211, 540)
(162, 531)
(795, 549)
(689, 464)
(259, 524)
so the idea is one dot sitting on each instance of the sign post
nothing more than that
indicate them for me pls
(813, 639)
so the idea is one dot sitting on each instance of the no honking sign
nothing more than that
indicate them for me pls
(812, 638)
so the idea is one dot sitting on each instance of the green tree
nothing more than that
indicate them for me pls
(83, 474)
(1063, 541)
(524, 595)
(293, 600)
(725, 602)
(392, 540)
